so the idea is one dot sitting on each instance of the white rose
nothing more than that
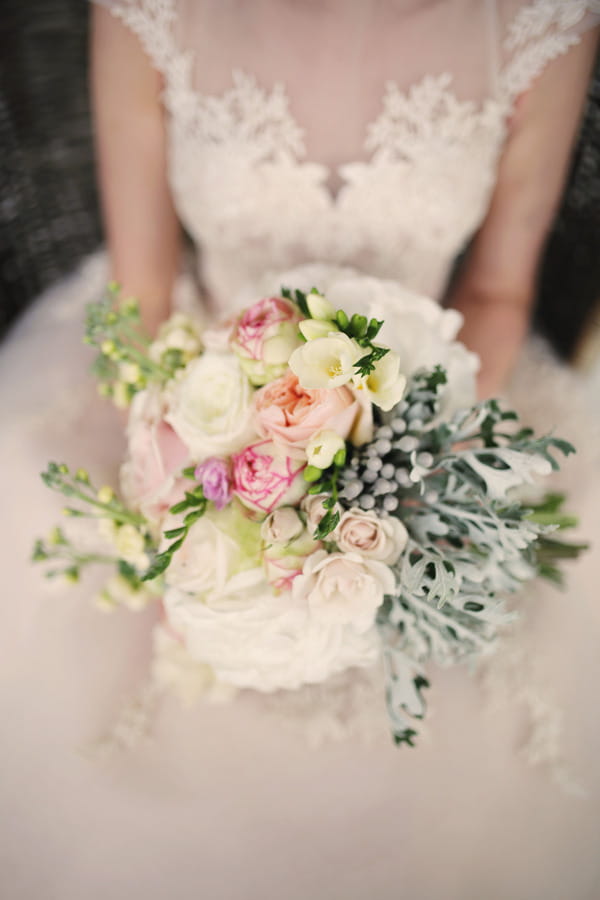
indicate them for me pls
(254, 638)
(362, 532)
(343, 588)
(325, 362)
(210, 406)
(281, 526)
(217, 548)
(206, 559)
(322, 448)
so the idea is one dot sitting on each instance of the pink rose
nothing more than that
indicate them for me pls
(265, 478)
(290, 415)
(155, 457)
(264, 338)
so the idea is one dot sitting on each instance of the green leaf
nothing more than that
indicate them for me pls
(175, 532)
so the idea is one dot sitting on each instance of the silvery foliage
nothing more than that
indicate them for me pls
(470, 542)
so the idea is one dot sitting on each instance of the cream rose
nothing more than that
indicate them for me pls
(209, 406)
(282, 526)
(371, 536)
(313, 509)
(343, 588)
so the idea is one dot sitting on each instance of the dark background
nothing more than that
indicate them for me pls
(49, 206)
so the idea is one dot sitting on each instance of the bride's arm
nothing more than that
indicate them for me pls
(141, 226)
(496, 289)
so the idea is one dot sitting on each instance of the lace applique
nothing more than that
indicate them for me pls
(247, 116)
(540, 32)
(418, 122)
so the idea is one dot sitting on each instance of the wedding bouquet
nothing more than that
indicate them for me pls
(310, 487)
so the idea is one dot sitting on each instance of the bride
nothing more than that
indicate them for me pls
(377, 135)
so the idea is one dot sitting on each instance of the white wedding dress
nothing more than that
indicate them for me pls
(379, 154)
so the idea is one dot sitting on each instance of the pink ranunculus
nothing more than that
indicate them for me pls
(155, 457)
(265, 478)
(290, 415)
(264, 338)
(215, 478)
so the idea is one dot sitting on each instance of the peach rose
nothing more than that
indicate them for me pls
(290, 415)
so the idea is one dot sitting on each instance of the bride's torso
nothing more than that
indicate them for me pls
(356, 133)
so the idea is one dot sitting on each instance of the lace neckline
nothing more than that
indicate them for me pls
(400, 132)
(429, 108)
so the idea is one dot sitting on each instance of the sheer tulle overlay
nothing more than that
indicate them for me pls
(381, 157)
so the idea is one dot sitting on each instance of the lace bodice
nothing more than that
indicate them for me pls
(368, 140)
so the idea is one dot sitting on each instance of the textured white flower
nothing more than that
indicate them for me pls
(371, 536)
(209, 406)
(385, 385)
(322, 448)
(255, 638)
(343, 588)
(325, 362)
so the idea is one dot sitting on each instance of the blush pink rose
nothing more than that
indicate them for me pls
(265, 478)
(150, 479)
(291, 415)
(264, 337)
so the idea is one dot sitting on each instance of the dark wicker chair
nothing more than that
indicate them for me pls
(49, 210)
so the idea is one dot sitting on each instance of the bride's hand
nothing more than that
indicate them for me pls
(496, 289)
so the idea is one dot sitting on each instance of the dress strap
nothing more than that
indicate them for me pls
(539, 32)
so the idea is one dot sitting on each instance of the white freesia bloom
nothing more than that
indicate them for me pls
(254, 638)
(322, 448)
(311, 329)
(371, 536)
(343, 588)
(384, 385)
(209, 406)
(319, 307)
(326, 362)
(281, 526)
